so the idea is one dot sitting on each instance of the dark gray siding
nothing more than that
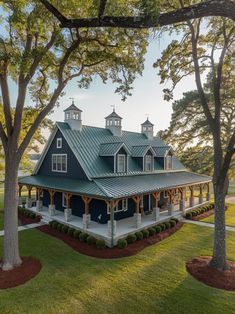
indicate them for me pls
(74, 169)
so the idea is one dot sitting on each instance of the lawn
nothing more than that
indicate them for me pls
(231, 190)
(229, 216)
(153, 281)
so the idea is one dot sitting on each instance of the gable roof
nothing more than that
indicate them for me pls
(86, 146)
(141, 150)
(111, 149)
(162, 151)
(72, 107)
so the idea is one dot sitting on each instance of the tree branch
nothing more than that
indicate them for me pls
(3, 137)
(225, 8)
(102, 8)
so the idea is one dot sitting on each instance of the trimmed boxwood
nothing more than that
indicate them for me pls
(167, 224)
(122, 243)
(145, 233)
(188, 215)
(76, 234)
(162, 226)
(131, 238)
(71, 231)
(91, 240)
(64, 229)
(139, 235)
(83, 236)
(175, 219)
(59, 226)
(172, 223)
(54, 224)
(151, 231)
(100, 244)
(158, 229)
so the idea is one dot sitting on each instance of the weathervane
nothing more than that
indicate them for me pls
(72, 100)
(147, 115)
(114, 107)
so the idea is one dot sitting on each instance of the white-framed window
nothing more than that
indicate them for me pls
(168, 162)
(59, 162)
(121, 163)
(121, 206)
(59, 142)
(64, 200)
(148, 163)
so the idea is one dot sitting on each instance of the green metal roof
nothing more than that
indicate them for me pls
(141, 184)
(82, 187)
(161, 151)
(141, 150)
(86, 147)
(111, 149)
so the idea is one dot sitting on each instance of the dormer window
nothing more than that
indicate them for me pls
(168, 162)
(148, 163)
(121, 163)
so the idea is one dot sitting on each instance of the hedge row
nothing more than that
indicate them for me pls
(139, 235)
(27, 213)
(77, 234)
(199, 211)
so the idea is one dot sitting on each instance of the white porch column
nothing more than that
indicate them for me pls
(208, 197)
(51, 210)
(182, 205)
(28, 202)
(170, 208)
(142, 204)
(67, 214)
(38, 205)
(137, 217)
(86, 218)
(200, 198)
(191, 201)
(156, 213)
(112, 225)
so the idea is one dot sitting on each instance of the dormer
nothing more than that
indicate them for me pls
(147, 129)
(72, 115)
(117, 153)
(144, 155)
(164, 156)
(114, 123)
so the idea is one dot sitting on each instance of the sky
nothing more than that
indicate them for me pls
(147, 97)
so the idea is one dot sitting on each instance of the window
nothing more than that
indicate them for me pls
(148, 163)
(64, 200)
(59, 163)
(168, 161)
(59, 143)
(121, 163)
(121, 206)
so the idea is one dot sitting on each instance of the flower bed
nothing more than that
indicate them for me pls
(130, 245)
(200, 212)
(27, 217)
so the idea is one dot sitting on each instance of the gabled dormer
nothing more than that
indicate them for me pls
(116, 154)
(144, 155)
(164, 156)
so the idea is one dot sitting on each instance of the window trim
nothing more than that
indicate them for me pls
(165, 162)
(151, 158)
(118, 166)
(63, 200)
(116, 208)
(59, 140)
(52, 163)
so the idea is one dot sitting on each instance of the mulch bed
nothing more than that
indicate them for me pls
(199, 268)
(27, 221)
(109, 253)
(29, 268)
(204, 215)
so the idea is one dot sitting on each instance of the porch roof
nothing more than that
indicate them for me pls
(81, 187)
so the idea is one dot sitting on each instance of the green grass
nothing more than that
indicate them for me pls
(231, 190)
(229, 216)
(153, 281)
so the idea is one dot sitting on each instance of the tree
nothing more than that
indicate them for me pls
(199, 51)
(188, 132)
(42, 59)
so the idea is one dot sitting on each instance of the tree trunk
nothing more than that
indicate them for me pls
(218, 260)
(11, 257)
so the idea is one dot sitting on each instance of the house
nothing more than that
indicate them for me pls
(110, 182)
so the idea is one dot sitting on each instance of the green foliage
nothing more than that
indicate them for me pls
(145, 233)
(139, 235)
(172, 223)
(131, 238)
(122, 243)
(71, 231)
(76, 234)
(65, 229)
(91, 240)
(151, 231)
(83, 236)
(158, 229)
(100, 244)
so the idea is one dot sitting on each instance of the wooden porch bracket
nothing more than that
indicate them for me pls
(137, 200)
(20, 187)
(29, 187)
(86, 201)
(39, 192)
(52, 194)
(156, 196)
(191, 188)
(67, 197)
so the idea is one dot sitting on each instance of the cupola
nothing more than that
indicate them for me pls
(72, 115)
(147, 129)
(114, 123)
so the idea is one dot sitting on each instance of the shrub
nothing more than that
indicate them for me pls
(59, 226)
(151, 231)
(122, 244)
(167, 224)
(145, 233)
(172, 223)
(54, 224)
(131, 238)
(64, 229)
(100, 244)
(175, 219)
(91, 240)
(158, 229)
(71, 231)
(162, 226)
(139, 235)
(76, 234)
(32, 215)
(83, 236)
(188, 215)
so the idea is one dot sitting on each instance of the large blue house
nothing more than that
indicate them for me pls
(91, 177)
